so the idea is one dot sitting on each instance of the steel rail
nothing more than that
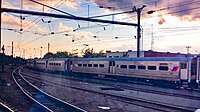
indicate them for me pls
(99, 81)
(145, 103)
(51, 100)
(5, 108)
(28, 95)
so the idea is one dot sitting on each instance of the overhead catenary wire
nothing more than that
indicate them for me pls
(58, 4)
(52, 8)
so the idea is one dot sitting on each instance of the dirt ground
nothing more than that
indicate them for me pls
(10, 94)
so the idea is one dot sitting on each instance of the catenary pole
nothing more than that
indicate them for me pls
(138, 10)
(0, 22)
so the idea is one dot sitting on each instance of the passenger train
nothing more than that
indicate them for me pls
(177, 71)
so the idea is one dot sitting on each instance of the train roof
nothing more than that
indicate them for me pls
(135, 59)
(52, 59)
(55, 59)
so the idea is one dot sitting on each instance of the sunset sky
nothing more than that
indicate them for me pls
(174, 25)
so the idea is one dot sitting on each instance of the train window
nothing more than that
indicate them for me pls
(141, 67)
(131, 66)
(84, 65)
(183, 65)
(163, 68)
(163, 64)
(89, 65)
(151, 67)
(123, 66)
(95, 65)
(101, 65)
(80, 65)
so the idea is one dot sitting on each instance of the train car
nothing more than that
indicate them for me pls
(90, 65)
(31, 63)
(167, 70)
(57, 65)
(159, 70)
(41, 64)
(176, 71)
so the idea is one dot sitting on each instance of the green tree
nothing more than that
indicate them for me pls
(100, 54)
(49, 55)
(59, 54)
(88, 53)
(64, 54)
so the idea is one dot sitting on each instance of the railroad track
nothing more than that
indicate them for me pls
(122, 86)
(130, 100)
(43, 102)
(5, 108)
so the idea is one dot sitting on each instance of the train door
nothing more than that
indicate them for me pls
(46, 66)
(65, 65)
(194, 69)
(184, 71)
(112, 67)
(70, 66)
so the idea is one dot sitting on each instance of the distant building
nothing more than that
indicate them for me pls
(129, 53)
(163, 54)
(149, 53)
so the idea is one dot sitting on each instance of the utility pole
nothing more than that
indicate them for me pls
(188, 48)
(139, 10)
(3, 54)
(48, 47)
(88, 14)
(152, 38)
(41, 52)
(24, 54)
(0, 22)
(12, 56)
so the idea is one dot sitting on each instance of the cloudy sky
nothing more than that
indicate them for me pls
(174, 25)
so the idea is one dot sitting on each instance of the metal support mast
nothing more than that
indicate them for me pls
(139, 10)
(0, 22)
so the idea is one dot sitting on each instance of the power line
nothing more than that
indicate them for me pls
(52, 8)
(56, 5)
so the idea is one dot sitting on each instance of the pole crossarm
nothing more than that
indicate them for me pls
(51, 7)
(65, 16)
(113, 14)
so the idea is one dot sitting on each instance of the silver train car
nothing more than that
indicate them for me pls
(177, 71)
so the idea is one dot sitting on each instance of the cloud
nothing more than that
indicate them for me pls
(72, 4)
(16, 22)
(184, 9)
(62, 27)
(76, 35)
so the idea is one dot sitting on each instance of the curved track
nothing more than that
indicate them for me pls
(43, 102)
(133, 100)
(4, 108)
(125, 86)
